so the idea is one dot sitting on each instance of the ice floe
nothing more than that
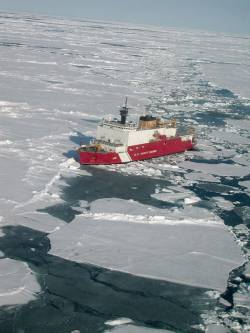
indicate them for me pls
(169, 197)
(134, 212)
(138, 168)
(187, 197)
(241, 300)
(243, 124)
(217, 169)
(244, 213)
(17, 283)
(135, 329)
(243, 159)
(200, 176)
(216, 328)
(179, 250)
(245, 184)
(223, 203)
(191, 200)
(119, 321)
(246, 272)
(231, 137)
(38, 221)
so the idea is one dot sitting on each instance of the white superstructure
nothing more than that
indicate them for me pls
(115, 133)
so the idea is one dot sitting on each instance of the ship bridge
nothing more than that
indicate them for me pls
(131, 125)
(128, 133)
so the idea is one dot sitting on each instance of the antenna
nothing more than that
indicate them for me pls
(124, 112)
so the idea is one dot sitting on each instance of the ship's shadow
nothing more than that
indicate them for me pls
(79, 139)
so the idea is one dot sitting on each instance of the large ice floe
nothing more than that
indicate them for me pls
(219, 169)
(125, 325)
(18, 284)
(180, 245)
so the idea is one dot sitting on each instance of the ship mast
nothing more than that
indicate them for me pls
(124, 112)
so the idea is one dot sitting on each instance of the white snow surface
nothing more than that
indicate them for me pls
(245, 184)
(217, 169)
(243, 124)
(199, 176)
(119, 321)
(17, 283)
(181, 248)
(38, 221)
(187, 197)
(135, 329)
(231, 137)
(134, 212)
(233, 76)
(217, 328)
(223, 203)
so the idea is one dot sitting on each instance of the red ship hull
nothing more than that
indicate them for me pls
(99, 158)
(138, 152)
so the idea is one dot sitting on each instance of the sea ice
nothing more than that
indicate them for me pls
(236, 79)
(244, 213)
(73, 166)
(231, 137)
(186, 197)
(243, 124)
(38, 221)
(200, 176)
(246, 272)
(191, 200)
(134, 212)
(243, 159)
(17, 283)
(138, 168)
(217, 169)
(179, 251)
(223, 203)
(241, 300)
(119, 321)
(170, 197)
(246, 184)
(135, 329)
(12, 182)
(216, 328)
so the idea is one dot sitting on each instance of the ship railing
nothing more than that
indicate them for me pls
(134, 126)
(108, 143)
(114, 123)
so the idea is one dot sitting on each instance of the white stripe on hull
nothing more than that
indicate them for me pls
(125, 158)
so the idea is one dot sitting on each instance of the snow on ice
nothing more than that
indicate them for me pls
(181, 248)
(17, 283)
(218, 169)
(135, 329)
